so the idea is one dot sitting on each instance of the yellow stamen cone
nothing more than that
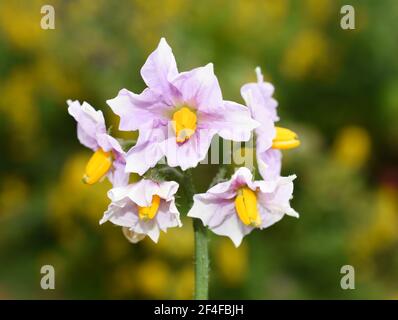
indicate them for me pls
(184, 123)
(149, 212)
(285, 139)
(98, 166)
(246, 207)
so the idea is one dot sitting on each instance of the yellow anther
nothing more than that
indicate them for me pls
(285, 139)
(98, 166)
(149, 212)
(184, 124)
(246, 207)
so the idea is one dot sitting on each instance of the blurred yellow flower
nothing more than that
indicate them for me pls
(184, 283)
(275, 11)
(309, 54)
(50, 76)
(20, 22)
(178, 242)
(380, 232)
(116, 245)
(17, 103)
(320, 11)
(352, 147)
(13, 194)
(249, 15)
(151, 18)
(153, 278)
(122, 282)
(87, 201)
(231, 262)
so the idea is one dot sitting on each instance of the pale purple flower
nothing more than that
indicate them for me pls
(128, 202)
(92, 133)
(178, 114)
(269, 201)
(258, 97)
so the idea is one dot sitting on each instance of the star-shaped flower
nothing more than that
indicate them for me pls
(178, 114)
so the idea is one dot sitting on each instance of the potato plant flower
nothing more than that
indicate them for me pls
(144, 209)
(236, 207)
(270, 139)
(178, 114)
(108, 158)
(176, 117)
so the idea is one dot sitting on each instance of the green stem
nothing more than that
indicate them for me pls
(201, 248)
(201, 261)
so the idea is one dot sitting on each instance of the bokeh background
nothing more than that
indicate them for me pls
(338, 89)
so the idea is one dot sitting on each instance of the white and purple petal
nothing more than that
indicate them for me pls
(150, 148)
(216, 207)
(159, 71)
(269, 163)
(199, 89)
(138, 110)
(126, 200)
(258, 97)
(232, 121)
(189, 153)
(90, 123)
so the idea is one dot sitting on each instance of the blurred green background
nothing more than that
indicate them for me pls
(337, 88)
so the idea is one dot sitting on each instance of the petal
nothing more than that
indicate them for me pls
(266, 186)
(265, 134)
(191, 152)
(199, 89)
(206, 206)
(119, 177)
(268, 218)
(167, 190)
(154, 233)
(233, 122)
(142, 157)
(275, 196)
(86, 140)
(148, 227)
(148, 150)
(168, 216)
(119, 193)
(225, 210)
(125, 216)
(243, 177)
(89, 123)
(269, 163)
(258, 97)
(137, 110)
(227, 190)
(160, 69)
(123, 210)
(233, 228)
(283, 195)
(220, 217)
(224, 190)
(109, 143)
(140, 192)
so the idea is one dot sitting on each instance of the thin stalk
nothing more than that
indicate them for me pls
(201, 247)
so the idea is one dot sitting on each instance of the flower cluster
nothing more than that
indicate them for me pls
(177, 116)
